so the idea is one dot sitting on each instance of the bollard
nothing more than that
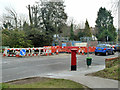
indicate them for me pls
(73, 59)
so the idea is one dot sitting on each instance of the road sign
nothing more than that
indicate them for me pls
(22, 52)
(63, 44)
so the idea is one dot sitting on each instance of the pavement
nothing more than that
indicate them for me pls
(90, 81)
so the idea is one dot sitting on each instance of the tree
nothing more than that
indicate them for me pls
(12, 20)
(81, 33)
(12, 15)
(30, 16)
(15, 38)
(26, 28)
(38, 38)
(104, 25)
(33, 15)
(7, 25)
(71, 32)
(87, 30)
(119, 20)
(53, 16)
(65, 31)
(48, 17)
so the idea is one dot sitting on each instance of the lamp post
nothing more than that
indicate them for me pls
(88, 59)
(88, 46)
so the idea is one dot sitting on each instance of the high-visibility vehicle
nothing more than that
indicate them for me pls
(105, 49)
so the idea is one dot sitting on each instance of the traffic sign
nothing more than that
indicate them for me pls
(22, 52)
(63, 44)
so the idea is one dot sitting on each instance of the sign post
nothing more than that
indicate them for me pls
(88, 59)
(63, 45)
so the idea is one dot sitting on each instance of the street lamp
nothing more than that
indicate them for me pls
(88, 39)
(88, 59)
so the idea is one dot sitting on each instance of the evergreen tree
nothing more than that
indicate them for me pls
(53, 16)
(81, 33)
(104, 25)
(87, 30)
(71, 32)
(15, 38)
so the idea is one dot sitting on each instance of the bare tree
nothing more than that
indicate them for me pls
(119, 20)
(119, 14)
(12, 19)
(12, 15)
(30, 14)
(115, 5)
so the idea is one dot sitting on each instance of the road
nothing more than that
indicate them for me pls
(16, 68)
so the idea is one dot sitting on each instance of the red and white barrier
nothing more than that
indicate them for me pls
(57, 52)
(46, 50)
(82, 52)
(16, 52)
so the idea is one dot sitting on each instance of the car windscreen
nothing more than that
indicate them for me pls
(103, 46)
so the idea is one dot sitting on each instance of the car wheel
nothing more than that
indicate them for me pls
(106, 54)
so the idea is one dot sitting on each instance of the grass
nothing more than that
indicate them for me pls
(112, 72)
(48, 83)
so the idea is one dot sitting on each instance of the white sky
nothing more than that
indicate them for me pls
(79, 10)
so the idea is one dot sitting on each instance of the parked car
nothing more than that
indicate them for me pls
(117, 47)
(105, 49)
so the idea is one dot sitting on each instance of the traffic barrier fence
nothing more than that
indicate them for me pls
(46, 50)
(16, 52)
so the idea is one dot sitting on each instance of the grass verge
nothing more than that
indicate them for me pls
(44, 83)
(112, 72)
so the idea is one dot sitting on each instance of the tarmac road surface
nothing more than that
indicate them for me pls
(16, 68)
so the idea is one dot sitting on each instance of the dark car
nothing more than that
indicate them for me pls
(117, 47)
(105, 49)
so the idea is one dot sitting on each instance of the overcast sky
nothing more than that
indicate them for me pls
(79, 10)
